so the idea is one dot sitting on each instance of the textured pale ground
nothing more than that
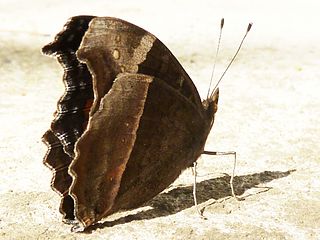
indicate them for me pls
(269, 112)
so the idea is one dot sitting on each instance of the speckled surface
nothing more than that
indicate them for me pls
(268, 112)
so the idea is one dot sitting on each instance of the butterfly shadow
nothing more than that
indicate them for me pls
(181, 197)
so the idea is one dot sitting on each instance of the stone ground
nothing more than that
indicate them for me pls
(269, 113)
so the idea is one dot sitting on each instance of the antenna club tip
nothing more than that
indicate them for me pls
(222, 23)
(249, 27)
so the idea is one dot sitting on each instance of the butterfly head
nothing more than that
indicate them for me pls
(210, 105)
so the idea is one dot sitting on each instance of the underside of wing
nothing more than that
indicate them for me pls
(112, 46)
(105, 147)
(142, 136)
(72, 112)
(171, 136)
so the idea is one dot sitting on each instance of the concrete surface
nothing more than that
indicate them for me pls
(269, 112)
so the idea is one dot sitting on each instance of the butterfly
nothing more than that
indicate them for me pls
(130, 120)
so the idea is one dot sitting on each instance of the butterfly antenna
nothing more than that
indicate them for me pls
(232, 60)
(215, 59)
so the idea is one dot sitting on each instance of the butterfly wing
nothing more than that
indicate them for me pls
(112, 46)
(136, 144)
(104, 149)
(72, 108)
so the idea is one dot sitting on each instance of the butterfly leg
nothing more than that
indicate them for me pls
(233, 171)
(194, 170)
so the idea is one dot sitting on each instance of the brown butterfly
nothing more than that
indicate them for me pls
(129, 122)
